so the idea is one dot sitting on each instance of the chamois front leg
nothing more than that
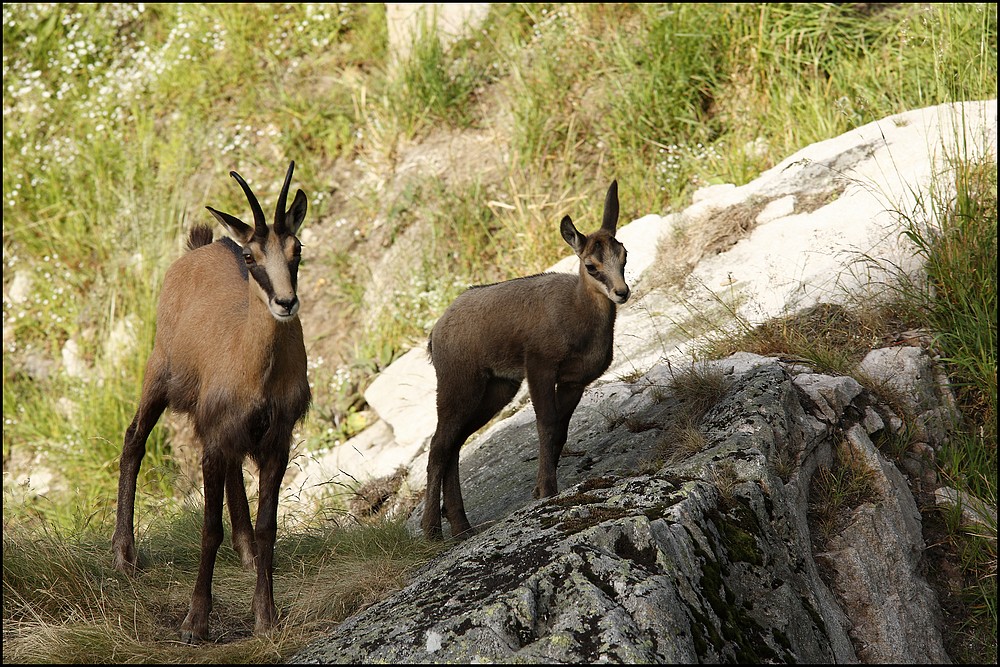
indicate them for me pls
(542, 389)
(568, 396)
(195, 625)
(151, 406)
(272, 470)
(239, 515)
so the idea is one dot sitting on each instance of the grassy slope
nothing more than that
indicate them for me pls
(120, 123)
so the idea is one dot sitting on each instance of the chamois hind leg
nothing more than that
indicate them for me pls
(213, 466)
(151, 405)
(239, 515)
(443, 441)
(272, 470)
(457, 402)
(498, 393)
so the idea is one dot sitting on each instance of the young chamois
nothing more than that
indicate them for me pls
(555, 329)
(228, 352)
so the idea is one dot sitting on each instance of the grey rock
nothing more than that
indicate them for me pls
(709, 559)
(920, 387)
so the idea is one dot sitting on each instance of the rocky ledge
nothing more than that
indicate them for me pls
(715, 553)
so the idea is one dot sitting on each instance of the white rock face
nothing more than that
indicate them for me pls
(817, 216)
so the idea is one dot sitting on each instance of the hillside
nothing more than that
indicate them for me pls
(425, 174)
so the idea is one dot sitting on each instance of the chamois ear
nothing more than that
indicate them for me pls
(241, 231)
(574, 238)
(296, 212)
(611, 209)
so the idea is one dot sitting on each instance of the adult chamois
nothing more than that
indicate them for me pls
(554, 329)
(229, 353)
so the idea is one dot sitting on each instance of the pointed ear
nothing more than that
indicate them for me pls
(296, 212)
(574, 238)
(241, 231)
(611, 209)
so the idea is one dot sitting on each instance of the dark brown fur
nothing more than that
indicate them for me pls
(222, 356)
(556, 330)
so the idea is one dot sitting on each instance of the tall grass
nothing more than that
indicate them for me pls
(954, 231)
(958, 300)
(64, 604)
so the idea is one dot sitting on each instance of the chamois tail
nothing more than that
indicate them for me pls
(200, 235)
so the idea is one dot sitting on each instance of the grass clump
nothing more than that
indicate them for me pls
(63, 603)
(837, 489)
(697, 388)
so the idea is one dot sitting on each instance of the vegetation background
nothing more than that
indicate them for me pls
(122, 121)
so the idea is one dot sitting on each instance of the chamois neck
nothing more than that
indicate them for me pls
(261, 334)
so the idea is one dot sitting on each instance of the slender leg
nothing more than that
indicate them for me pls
(499, 393)
(443, 441)
(239, 515)
(195, 625)
(272, 470)
(455, 402)
(542, 387)
(567, 397)
(151, 406)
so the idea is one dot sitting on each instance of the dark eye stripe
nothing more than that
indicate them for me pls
(259, 274)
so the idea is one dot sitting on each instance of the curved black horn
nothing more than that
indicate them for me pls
(259, 222)
(279, 210)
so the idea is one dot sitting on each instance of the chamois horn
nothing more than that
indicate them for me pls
(279, 209)
(259, 223)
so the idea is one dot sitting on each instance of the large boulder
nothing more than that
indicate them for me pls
(726, 549)
(710, 556)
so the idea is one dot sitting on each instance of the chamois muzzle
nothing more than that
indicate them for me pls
(284, 309)
(621, 294)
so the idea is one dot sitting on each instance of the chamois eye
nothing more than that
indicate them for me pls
(248, 258)
(591, 269)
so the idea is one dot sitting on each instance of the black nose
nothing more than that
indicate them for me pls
(622, 293)
(287, 304)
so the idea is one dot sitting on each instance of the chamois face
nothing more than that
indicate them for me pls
(271, 253)
(602, 256)
(603, 260)
(273, 263)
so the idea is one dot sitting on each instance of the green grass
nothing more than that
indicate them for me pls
(122, 121)
(958, 301)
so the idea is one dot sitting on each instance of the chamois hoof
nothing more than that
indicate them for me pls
(193, 632)
(263, 626)
(247, 553)
(125, 560)
(434, 534)
(191, 638)
(538, 492)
